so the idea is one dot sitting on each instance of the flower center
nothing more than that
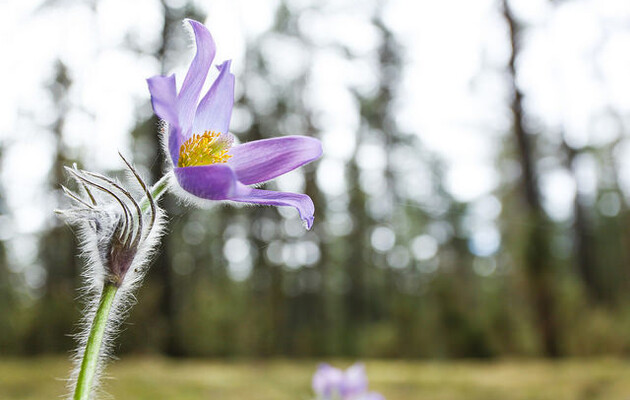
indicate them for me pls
(205, 149)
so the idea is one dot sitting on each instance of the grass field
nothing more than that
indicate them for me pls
(164, 379)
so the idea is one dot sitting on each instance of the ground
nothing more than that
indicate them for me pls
(163, 379)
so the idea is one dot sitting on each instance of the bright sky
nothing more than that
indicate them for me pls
(574, 71)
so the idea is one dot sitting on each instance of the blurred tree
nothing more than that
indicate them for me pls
(373, 281)
(293, 308)
(8, 304)
(56, 311)
(537, 255)
(584, 256)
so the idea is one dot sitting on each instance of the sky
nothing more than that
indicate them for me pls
(574, 72)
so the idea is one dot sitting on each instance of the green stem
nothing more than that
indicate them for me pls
(90, 361)
(157, 191)
(92, 352)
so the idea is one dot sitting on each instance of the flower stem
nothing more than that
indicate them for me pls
(89, 364)
(157, 191)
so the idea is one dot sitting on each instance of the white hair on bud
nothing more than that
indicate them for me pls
(95, 224)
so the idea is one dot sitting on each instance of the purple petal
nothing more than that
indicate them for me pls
(211, 182)
(301, 202)
(164, 101)
(164, 97)
(262, 160)
(327, 380)
(215, 109)
(196, 76)
(355, 381)
(218, 182)
(175, 140)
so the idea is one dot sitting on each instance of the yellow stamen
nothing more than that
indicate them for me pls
(204, 149)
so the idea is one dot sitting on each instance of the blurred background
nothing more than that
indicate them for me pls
(472, 200)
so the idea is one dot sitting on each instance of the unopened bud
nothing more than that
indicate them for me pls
(118, 235)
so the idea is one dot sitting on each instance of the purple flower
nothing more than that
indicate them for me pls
(205, 162)
(327, 380)
(332, 383)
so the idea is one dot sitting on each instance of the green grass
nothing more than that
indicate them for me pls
(164, 379)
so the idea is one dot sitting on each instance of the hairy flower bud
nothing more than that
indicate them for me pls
(117, 232)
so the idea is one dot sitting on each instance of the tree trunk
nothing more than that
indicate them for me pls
(538, 264)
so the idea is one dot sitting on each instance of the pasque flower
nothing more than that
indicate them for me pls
(330, 383)
(205, 162)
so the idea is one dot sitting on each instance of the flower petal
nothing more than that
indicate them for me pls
(164, 97)
(327, 380)
(262, 160)
(301, 202)
(164, 101)
(215, 109)
(211, 182)
(196, 76)
(175, 140)
(355, 381)
(218, 182)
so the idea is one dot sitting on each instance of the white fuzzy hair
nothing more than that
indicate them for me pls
(108, 214)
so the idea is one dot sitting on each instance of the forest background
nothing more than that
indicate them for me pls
(472, 200)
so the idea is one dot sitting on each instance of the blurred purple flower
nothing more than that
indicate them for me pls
(327, 380)
(332, 383)
(205, 163)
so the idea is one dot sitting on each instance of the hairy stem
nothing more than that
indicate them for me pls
(91, 355)
(90, 361)
(157, 191)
